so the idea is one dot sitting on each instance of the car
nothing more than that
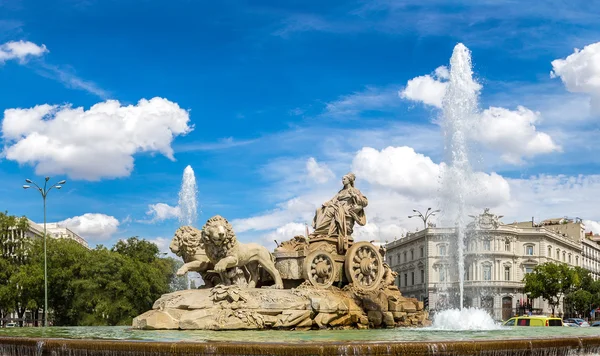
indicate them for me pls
(573, 325)
(577, 321)
(533, 320)
(596, 323)
(10, 325)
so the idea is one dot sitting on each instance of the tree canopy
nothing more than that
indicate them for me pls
(85, 287)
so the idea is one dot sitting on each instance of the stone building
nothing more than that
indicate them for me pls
(496, 258)
(591, 254)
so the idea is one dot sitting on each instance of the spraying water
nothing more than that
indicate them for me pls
(465, 319)
(459, 117)
(188, 198)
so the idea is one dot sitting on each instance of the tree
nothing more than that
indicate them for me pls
(580, 300)
(551, 281)
(139, 250)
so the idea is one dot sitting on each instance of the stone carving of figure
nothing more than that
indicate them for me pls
(337, 216)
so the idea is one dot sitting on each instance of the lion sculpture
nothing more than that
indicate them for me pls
(186, 244)
(224, 251)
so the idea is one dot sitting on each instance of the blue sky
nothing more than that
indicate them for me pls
(283, 98)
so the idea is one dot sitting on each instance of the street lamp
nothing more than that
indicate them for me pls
(44, 191)
(429, 213)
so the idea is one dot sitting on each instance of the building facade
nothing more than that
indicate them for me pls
(496, 258)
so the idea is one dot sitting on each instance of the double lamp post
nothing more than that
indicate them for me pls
(44, 191)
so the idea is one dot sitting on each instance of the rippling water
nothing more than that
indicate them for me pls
(375, 335)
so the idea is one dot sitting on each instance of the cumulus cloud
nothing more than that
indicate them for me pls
(95, 143)
(284, 233)
(161, 211)
(513, 133)
(593, 226)
(318, 172)
(580, 73)
(293, 210)
(20, 50)
(400, 168)
(428, 89)
(93, 227)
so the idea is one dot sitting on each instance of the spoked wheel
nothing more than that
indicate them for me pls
(364, 265)
(320, 270)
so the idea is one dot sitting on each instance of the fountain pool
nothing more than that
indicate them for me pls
(116, 341)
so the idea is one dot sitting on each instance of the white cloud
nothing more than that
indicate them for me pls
(95, 143)
(593, 226)
(93, 227)
(284, 233)
(428, 89)
(293, 210)
(400, 168)
(319, 172)
(372, 98)
(513, 133)
(161, 211)
(20, 50)
(580, 73)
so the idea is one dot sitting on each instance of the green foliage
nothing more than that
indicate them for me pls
(85, 287)
(580, 300)
(551, 281)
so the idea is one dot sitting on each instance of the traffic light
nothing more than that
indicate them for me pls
(426, 303)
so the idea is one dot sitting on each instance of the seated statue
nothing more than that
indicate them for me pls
(336, 217)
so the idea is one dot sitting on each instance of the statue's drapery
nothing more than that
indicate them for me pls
(337, 216)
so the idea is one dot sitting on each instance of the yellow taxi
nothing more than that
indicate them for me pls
(533, 320)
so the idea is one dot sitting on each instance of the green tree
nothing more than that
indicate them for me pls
(138, 249)
(551, 281)
(580, 300)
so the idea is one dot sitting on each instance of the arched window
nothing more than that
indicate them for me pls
(442, 250)
(564, 255)
(487, 271)
(529, 250)
(558, 254)
(549, 251)
(507, 245)
(569, 258)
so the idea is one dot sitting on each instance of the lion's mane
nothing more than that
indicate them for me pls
(189, 240)
(213, 252)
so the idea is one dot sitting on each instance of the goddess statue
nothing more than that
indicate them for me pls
(336, 217)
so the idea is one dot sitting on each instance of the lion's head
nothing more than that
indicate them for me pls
(218, 237)
(186, 241)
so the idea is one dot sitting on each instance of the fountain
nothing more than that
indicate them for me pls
(188, 198)
(326, 282)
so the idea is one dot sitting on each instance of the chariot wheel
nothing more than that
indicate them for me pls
(320, 269)
(364, 265)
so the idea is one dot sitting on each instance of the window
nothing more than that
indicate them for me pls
(529, 250)
(528, 270)
(576, 260)
(422, 276)
(523, 322)
(405, 279)
(412, 255)
(510, 322)
(507, 273)
(507, 245)
(557, 254)
(486, 245)
(564, 254)
(422, 254)
(404, 256)
(569, 258)
(442, 274)
(412, 278)
(549, 251)
(466, 274)
(487, 272)
(442, 249)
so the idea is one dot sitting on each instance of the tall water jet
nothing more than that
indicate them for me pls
(458, 121)
(188, 198)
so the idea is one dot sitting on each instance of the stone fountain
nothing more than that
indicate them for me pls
(324, 280)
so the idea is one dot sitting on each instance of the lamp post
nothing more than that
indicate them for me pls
(429, 213)
(44, 191)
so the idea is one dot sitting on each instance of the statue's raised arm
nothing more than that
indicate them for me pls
(336, 217)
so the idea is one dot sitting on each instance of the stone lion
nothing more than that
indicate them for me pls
(186, 244)
(224, 251)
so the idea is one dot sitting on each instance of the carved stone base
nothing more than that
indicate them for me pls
(305, 307)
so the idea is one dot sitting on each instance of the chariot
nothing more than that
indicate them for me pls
(324, 261)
